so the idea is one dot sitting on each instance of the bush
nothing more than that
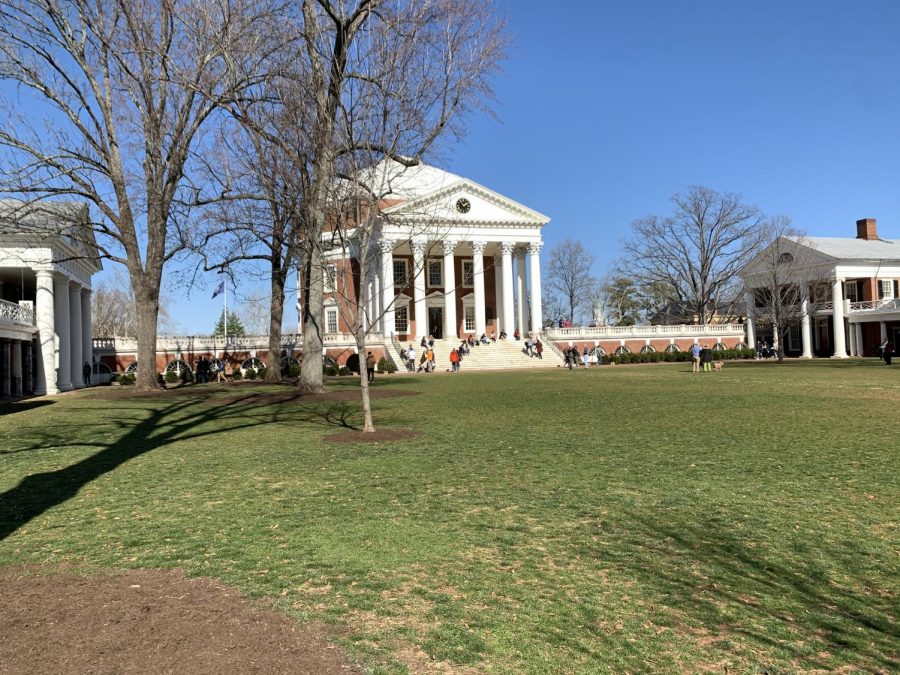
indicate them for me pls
(250, 374)
(294, 371)
(385, 366)
(343, 371)
(172, 377)
(236, 373)
(330, 370)
(261, 373)
(187, 376)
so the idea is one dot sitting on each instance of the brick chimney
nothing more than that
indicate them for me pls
(865, 229)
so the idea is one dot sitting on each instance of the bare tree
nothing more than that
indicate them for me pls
(127, 87)
(569, 277)
(696, 252)
(779, 279)
(113, 311)
(621, 300)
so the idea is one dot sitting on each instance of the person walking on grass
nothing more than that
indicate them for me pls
(695, 354)
(454, 361)
(370, 367)
(888, 352)
(706, 359)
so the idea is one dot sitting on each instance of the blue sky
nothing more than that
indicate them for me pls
(608, 108)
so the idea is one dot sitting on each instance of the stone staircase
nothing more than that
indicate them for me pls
(500, 355)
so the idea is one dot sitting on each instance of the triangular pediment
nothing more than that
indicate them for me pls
(803, 254)
(466, 202)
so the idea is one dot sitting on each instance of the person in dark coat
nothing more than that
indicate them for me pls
(86, 373)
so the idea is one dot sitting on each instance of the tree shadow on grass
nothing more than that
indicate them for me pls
(828, 595)
(11, 407)
(167, 421)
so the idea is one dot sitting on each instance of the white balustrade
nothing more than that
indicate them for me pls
(16, 313)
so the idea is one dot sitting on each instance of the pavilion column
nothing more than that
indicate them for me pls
(387, 288)
(860, 347)
(837, 304)
(534, 261)
(45, 317)
(520, 291)
(498, 292)
(805, 329)
(506, 249)
(63, 333)
(478, 282)
(451, 328)
(421, 312)
(76, 334)
(27, 370)
(750, 322)
(17, 381)
(5, 368)
(882, 325)
(87, 330)
(853, 345)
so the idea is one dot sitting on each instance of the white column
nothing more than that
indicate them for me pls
(87, 330)
(451, 328)
(421, 313)
(750, 322)
(64, 339)
(805, 330)
(837, 303)
(498, 292)
(506, 249)
(45, 311)
(860, 349)
(534, 261)
(520, 291)
(883, 326)
(852, 336)
(18, 383)
(387, 290)
(478, 280)
(75, 334)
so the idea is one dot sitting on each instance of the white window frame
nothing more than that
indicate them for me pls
(885, 289)
(405, 278)
(470, 263)
(330, 276)
(331, 315)
(854, 296)
(468, 318)
(401, 312)
(428, 263)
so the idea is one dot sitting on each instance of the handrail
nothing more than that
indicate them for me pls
(875, 305)
(399, 348)
(22, 314)
(632, 332)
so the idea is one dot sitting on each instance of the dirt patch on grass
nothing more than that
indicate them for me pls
(150, 621)
(243, 393)
(377, 436)
(298, 397)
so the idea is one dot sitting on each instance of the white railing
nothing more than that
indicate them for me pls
(197, 343)
(629, 332)
(886, 305)
(16, 313)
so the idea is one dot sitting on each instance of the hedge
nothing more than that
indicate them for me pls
(656, 357)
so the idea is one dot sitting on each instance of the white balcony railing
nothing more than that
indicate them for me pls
(626, 332)
(22, 315)
(886, 305)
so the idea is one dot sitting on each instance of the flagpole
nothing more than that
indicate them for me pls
(225, 314)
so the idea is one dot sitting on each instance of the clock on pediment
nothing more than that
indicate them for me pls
(463, 205)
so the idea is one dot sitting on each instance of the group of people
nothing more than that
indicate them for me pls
(533, 348)
(574, 358)
(205, 369)
(702, 356)
(764, 351)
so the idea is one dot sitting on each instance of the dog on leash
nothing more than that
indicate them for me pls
(718, 365)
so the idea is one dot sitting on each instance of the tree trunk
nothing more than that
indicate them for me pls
(311, 380)
(146, 296)
(368, 425)
(276, 314)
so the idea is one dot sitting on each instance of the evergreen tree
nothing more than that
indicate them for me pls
(235, 327)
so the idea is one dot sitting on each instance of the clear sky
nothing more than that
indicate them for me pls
(607, 108)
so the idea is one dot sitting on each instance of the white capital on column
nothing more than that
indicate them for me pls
(76, 334)
(45, 311)
(87, 330)
(387, 290)
(805, 330)
(421, 314)
(534, 260)
(478, 282)
(62, 322)
(837, 304)
(451, 330)
(506, 249)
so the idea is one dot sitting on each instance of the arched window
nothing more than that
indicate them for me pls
(785, 259)
(178, 367)
(647, 349)
(718, 347)
(741, 345)
(132, 368)
(622, 350)
(672, 349)
(288, 362)
(254, 363)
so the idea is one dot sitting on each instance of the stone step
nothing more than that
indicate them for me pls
(500, 355)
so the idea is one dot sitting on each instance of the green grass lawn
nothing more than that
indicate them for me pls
(634, 518)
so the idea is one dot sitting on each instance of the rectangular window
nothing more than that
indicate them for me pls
(400, 273)
(469, 318)
(435, 273)
(851, 290)
(885, 289)
(330, 277)
(331, 320)
(401, 319)
(468, 273)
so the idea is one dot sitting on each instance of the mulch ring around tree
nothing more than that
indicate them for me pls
(150, 621)
(377, 436)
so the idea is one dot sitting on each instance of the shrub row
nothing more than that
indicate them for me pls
(657, 357)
